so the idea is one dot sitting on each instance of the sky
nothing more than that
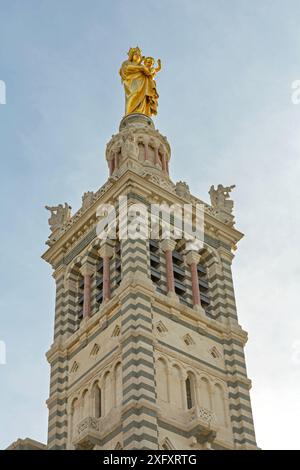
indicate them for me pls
(226, 107)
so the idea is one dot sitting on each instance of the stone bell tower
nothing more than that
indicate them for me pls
(147, 351)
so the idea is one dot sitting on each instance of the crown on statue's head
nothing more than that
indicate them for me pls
(132, 50)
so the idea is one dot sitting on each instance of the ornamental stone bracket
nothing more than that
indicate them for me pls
(87, 435)
(203, 424)
(89, 431)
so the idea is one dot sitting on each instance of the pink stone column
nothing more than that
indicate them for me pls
(168, 246)
(192, 259)
(106, 253)
(87, 272)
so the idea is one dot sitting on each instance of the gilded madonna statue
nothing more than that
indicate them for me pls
(138, 77)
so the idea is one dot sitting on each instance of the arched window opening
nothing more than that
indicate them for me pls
(188, 388)
(97, 402)
(155, 270)
(203, 282)
(99, 282)
(179, 273)
(190, 385)
(75, 287)
(85, 404)
(80, 299)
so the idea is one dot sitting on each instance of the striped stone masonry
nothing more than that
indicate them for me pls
(57, 422)
(139, 420)
(239, 395)
(57, 402)
(148, 352)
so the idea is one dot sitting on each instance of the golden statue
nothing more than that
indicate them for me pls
(138, 73)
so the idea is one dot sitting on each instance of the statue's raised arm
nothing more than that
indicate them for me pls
(139, 85)
(59, 215)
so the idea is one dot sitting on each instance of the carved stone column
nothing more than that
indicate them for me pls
(106, 252)
(168, 246)
(87, 270)
(192, 259)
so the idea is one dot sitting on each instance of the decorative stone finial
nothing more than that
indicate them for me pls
(87, 199)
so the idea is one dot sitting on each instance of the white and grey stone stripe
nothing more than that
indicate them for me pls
(138, 369)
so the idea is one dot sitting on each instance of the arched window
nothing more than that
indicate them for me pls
(85, 404)
(155, 269)
(203, 283)
(74, 288)
(190, 388)
(97, 401)
(179, 272)
(99, 282)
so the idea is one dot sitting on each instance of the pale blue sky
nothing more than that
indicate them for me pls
(225, 106)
